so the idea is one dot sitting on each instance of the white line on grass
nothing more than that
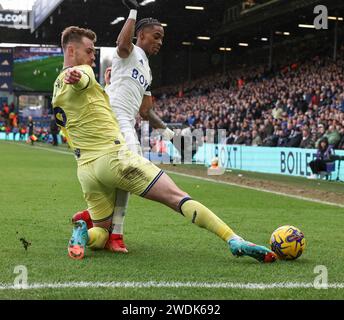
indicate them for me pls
(155, 284)
(256, 189)
(38, 147)
(217, 181)
(57, 151)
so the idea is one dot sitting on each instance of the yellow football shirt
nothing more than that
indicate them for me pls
(83, 112)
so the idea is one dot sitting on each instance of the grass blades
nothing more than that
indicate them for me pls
(40, 192)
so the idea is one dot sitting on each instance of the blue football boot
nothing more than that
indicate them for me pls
(78, 241)
(240, 247)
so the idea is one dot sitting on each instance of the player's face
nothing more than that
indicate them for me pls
(152, 39)
(84, 52)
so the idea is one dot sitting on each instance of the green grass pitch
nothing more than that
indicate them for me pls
(40, 192)
(25, 79)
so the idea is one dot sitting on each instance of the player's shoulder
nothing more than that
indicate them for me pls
(136, 48)
(85, 68)
(58, 83)
(132, 53)
(139, 52)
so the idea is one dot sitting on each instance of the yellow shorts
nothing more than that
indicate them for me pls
(121, 169)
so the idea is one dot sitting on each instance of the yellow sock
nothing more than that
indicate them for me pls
(204, 218)
(97, 238)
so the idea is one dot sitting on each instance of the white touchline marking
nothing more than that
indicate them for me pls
(213, 180)
(57, 151)
(256, 189)
(163, 284)
(38, 147)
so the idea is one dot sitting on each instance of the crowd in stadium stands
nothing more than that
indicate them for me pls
(25, 53)
(295, 106)
(292, 106)
(43, 129)
(8, 119)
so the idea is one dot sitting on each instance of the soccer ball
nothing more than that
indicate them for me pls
(288, 242)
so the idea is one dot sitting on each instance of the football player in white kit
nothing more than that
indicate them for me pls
(129, 91)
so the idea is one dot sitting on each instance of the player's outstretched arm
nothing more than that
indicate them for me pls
(77, 78)
(147, 113)
(125, 38)
(72, 76)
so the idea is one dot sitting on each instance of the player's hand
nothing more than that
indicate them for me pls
(72, 76)
(131, 4)
(167, 134)
(107, 75)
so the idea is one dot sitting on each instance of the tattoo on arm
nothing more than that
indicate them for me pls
(155, 121)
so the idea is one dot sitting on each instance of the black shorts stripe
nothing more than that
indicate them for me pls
(152, 183)
(102, 220)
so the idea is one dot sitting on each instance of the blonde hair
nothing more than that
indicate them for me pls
(75, 34)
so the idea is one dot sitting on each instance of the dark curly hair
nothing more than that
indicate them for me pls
(146, 22)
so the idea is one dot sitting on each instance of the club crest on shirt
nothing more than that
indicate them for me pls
(58, 84)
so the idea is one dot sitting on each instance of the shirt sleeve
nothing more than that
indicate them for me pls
(116, 55)
(148, 91)
(87, 78)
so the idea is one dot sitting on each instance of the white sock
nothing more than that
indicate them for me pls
(121, 204)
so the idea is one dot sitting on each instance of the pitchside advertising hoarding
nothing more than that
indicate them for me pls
(6, 69)
(286, 161)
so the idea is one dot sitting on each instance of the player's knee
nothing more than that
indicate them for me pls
(97, 238)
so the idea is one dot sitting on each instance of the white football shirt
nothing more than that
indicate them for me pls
(131, 79)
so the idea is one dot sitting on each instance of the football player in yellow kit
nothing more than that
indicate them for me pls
(105, 163)
(129, 89)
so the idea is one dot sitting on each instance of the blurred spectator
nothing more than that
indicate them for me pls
(277, 111)
(323, 156)
(54, 130)
(256, 139)
(7, 131)
(31, 128)
(307, 141)
(333, 136)
(294, 138)
(15, 131)
(22, 133)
